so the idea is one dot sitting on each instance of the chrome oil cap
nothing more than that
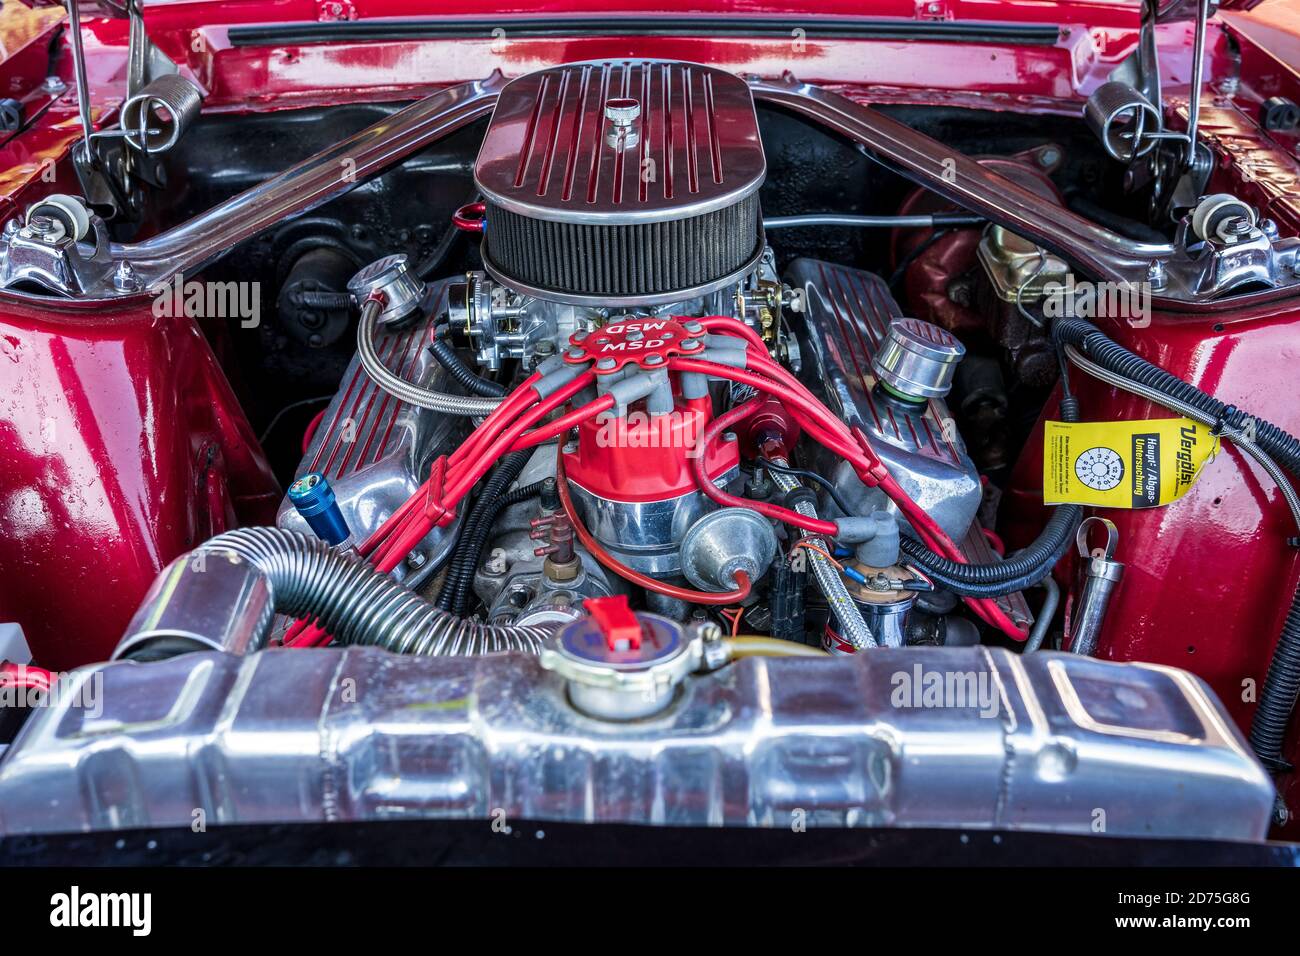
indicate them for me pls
(917, 359)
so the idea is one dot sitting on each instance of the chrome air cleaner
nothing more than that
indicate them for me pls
(622, 182)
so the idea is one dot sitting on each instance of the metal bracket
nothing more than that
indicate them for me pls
(202, 240)
(43, 253)
(111, 174)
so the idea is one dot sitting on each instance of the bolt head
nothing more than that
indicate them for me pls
(124, 277)
(45, 228)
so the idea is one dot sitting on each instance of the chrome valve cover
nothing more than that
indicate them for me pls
(847, 317)
(375, 450)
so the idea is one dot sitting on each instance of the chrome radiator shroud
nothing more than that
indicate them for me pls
(1048, 742)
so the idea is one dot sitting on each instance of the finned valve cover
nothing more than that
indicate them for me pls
(622, 182)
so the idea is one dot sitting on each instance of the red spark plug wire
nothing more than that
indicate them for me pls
(419, 524)
(507, 429)
(564, 423)
(521, 397)
(768, 510)
(389, 545)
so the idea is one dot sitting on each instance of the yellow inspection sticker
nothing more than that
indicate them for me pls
(1141, 464)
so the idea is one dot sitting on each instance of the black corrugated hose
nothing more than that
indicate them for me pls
(470, 550)
(460, 573)
(462, 373)
(1278, 698)
(1022, 570)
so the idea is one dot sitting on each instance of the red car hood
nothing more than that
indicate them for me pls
(1037, 11)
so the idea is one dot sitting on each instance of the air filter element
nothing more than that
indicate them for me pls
(622, 183)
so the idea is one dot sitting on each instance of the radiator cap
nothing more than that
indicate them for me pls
(620, 664)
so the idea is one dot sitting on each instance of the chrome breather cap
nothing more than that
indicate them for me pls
(403, 291)
(917, 359)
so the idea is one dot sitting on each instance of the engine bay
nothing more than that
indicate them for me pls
(635, 441)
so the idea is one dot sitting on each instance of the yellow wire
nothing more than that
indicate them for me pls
(754, 645)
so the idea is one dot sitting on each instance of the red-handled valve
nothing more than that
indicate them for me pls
(617, 623)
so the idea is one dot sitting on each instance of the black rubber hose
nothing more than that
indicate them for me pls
(502, 477)
(1003, 577)
(446, 242)
(460, 575)
(996, 588)
(1277, 699)
(462, 373)
(1094, 344)
(1026, 568)
(897, 275)
(472, 551)
(826, 484)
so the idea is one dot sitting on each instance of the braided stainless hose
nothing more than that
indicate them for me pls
(852, 627)
(408, 392)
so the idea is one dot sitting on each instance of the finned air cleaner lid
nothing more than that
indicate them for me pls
(622, 182)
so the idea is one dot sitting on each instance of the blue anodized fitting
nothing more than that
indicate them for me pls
(314, 498)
